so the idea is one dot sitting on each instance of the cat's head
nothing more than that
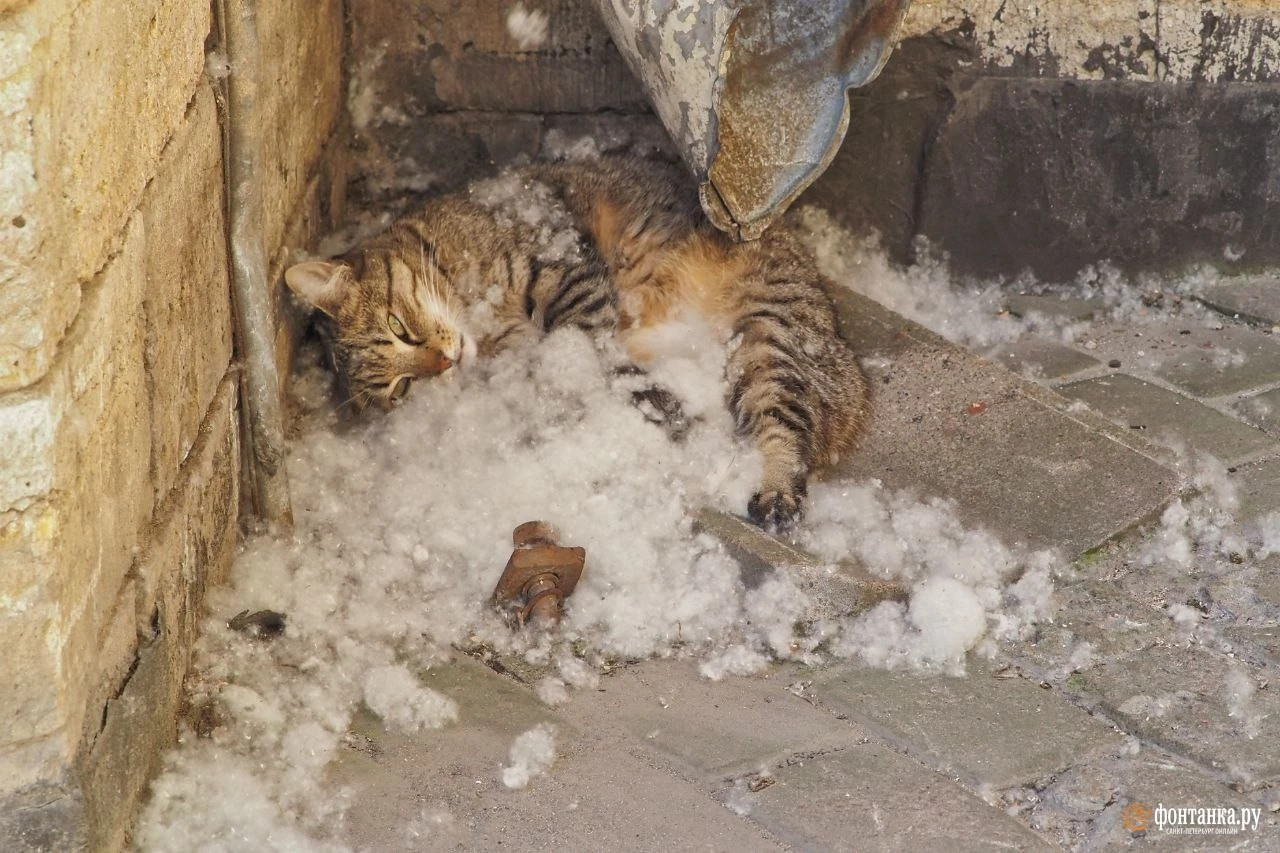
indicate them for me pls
(388, 317)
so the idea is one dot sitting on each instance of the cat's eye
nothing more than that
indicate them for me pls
(397, 328)
(399, 388)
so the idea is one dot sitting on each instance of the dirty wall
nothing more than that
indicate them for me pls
(119, 423)
(1041, 134)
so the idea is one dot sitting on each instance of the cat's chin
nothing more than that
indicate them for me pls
(467, 352)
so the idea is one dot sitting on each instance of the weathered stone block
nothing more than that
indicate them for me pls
(1228, 361)
(44, 817)
(193, 542)
(872, 183)
(964, 726)
(74, 543)
(1021, 468)
(410, 58)
(1255, 299)
(187, 298)
(1053, 175)
(299, 103)
(1140, 405)
(1168, 696)
(1201, 40)
(672, 711)
(868, 797)
(1262, 411)
(29, 683)
(1041, 358)
(194, 533)
(89, 94)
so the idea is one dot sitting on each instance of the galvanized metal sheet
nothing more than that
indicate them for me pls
(753, 91)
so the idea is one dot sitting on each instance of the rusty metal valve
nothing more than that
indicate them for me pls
(539, 576)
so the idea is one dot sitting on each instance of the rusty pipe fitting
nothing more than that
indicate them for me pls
(538, 577)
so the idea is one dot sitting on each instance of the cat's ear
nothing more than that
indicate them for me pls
(317, 283)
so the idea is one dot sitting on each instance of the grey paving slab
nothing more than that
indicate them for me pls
(868, 798)
(1262, 410)
(1258, 640)
(486, 700)
(1177, 698)
(1216, 362)
(950, 424)
(873, 329)
(1258, 487)
(1096, 612)
(968, 726)
(1160, 412)
(849, 589)
(1153, 780)
(711, 730)
(1085, 808)
(1252, 298)
(1056, 306)
(442, 790)
(1041, 359)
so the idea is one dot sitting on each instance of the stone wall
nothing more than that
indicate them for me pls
(1041, 134)
(119, 422)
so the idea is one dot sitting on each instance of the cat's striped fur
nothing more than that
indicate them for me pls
(471, 273)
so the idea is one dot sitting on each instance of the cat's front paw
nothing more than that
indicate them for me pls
(659, 406)
(776, 510)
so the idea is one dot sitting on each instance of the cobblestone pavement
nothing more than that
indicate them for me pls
(1152, 689)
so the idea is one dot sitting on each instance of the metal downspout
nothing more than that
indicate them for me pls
(264, 472)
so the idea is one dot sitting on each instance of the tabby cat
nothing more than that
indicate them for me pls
(607, 245)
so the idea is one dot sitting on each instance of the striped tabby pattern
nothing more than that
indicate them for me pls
(605, 245)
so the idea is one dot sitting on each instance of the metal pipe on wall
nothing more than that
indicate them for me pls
(260, 406)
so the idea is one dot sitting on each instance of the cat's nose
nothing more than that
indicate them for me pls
(431, 362)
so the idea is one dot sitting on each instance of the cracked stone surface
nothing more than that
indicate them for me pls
(1142, 406)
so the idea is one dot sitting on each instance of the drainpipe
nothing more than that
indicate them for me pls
(262, 419)
(752, 92)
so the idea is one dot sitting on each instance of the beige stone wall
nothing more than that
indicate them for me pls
(1174, 40)
(119, 422)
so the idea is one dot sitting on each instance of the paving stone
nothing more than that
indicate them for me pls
(965, 726)
(1094, 612)
(1258, 486)
(443, 790)
(1176, 698)
(848, 589)
(1223, 361)
(1253, 298)
(486, 699)
(1053, 306)
(1262, 410)
(1085, 807)
(1154, 781)
(1039, 358)
(1258, 640)
(1137, 404)
(1020, 467)
(868, 797)
(714, 729)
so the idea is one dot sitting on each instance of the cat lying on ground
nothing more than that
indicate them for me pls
(612, 245)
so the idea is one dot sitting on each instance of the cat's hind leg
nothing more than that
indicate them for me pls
(797, 389)
(769, 402)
